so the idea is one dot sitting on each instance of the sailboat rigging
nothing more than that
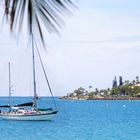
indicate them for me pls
(9, 85)
(19, 112)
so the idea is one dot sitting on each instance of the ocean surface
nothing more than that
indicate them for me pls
(77, 120)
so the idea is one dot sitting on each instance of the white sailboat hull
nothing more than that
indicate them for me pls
(29, 117)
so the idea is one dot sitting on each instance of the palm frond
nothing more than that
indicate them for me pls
(48, 13)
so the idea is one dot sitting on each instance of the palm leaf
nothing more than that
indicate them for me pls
(48, 13)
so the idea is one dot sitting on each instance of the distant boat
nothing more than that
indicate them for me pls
(20, 111)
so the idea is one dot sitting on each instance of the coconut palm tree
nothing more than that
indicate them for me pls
(39, 14)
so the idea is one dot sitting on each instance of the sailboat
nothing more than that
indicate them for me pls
(29, 111)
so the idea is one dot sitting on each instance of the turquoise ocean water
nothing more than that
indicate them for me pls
(78, 120)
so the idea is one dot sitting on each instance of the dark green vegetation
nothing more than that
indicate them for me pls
(123, 90)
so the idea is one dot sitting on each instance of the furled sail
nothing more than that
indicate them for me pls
(25, 104)
(19, 105)
(4, 106)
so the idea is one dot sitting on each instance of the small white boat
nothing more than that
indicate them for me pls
(28, 115)
(20, 112)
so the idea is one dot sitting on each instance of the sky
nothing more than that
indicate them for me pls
(100, 40)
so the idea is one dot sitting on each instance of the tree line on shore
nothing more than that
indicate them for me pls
(121, 90)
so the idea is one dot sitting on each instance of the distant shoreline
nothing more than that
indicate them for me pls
(99, 98)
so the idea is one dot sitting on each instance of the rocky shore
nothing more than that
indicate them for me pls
(99, 98)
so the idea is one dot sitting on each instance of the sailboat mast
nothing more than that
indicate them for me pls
(9, 85)
(34, 77)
